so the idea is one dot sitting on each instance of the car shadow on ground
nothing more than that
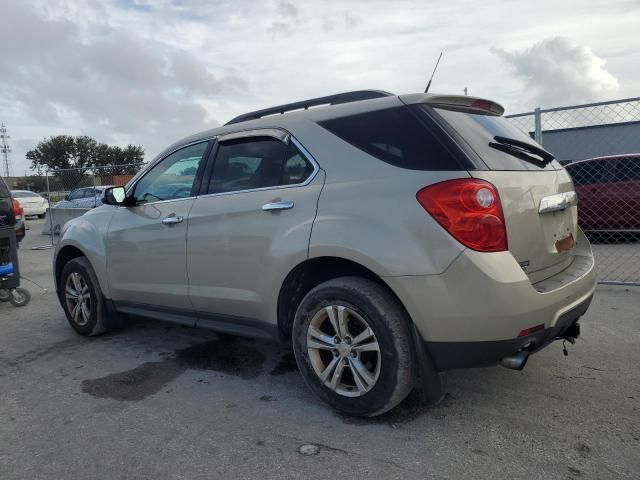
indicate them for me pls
(244, 358)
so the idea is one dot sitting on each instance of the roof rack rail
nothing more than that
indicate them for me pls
(312, 102)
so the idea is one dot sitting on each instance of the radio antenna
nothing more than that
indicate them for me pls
(426, 90)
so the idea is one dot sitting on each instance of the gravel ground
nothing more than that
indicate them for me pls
(162, 401)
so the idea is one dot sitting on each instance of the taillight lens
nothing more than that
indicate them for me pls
(469, 210)
(17, 209)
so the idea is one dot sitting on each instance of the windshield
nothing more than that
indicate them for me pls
(479, 131)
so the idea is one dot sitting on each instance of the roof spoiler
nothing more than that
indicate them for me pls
(456, 102)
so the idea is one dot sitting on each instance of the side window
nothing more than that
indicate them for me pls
(628, 169)
(89, 193)
(77, 194)
(590, 173)
(396, 136)
(577, 174)
(257, 163)
(296, 169)
(633, 168)
(173, 177)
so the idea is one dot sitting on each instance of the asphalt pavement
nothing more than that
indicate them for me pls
(161, 401)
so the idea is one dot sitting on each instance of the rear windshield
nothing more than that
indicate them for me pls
(479, 130)
(396, 136)
(4, 190)
(24, 195)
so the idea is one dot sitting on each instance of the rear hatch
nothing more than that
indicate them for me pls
(535, 191)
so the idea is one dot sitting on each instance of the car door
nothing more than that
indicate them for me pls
(250, 229)
(146, 242)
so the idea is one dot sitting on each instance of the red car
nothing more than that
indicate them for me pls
(608, 191)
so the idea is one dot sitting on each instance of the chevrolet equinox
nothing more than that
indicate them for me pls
(386, 239)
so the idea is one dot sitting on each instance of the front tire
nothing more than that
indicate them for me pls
(81, 298)
(353, 346)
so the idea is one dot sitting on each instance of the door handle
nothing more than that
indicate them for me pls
(280, 205)
(172, 220)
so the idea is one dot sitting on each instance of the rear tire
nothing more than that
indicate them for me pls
(363, 365)
(81, 299)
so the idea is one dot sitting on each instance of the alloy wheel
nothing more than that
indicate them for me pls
(78, 298)
(344, 351)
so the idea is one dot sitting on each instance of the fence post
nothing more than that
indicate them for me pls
(51, 245)
(46, 173)
(537, 135)
(95, 200)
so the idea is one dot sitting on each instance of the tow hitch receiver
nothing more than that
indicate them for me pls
(569, 335)
(572, 332)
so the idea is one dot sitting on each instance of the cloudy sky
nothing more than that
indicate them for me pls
(149, 72)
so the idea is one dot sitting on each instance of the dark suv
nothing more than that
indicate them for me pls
(10, 211)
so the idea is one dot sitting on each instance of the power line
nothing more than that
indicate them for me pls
(5, 149)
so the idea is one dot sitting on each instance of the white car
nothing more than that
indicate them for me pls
(32, 204)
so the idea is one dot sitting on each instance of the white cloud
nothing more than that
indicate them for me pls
(148, 72)
(558, 71)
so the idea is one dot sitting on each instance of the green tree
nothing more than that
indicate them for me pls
(82, 152)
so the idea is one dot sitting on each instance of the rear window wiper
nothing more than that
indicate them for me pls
(522, 150)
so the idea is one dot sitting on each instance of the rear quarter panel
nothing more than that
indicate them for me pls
(368, 212)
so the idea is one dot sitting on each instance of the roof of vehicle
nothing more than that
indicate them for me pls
(97, 187)
(606, 157)
(23, 191)
(342, 104)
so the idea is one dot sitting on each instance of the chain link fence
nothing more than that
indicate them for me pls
(599, 144)
(72, 192)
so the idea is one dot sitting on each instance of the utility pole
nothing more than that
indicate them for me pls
(5, 149)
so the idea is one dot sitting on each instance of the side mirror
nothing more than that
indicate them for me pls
(114, 196)
(66, 197)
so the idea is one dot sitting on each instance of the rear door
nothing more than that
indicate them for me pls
(538, 198)
(251, 228)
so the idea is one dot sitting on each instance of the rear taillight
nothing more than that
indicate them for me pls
(17, 209)
(469, 210)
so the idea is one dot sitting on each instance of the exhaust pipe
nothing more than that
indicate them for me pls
(515, 362)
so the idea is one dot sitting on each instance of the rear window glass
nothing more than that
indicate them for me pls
(4, 190)
(24, 194)
(479, 130)
(395, 136)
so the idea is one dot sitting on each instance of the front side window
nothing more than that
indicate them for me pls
(260, 162)
(173, 178)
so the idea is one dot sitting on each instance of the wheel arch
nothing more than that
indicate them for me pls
(312, 272)
(66, 253)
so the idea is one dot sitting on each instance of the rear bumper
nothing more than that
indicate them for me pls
(450, 355)
(472, 313)
(33, 210)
